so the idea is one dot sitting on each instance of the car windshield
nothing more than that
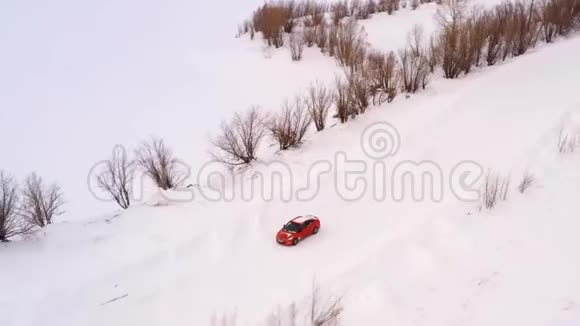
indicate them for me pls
(292, 227)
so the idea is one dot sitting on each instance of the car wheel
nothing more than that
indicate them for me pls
(295, 242)
(315, 230)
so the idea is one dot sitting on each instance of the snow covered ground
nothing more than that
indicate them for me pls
(396, 262)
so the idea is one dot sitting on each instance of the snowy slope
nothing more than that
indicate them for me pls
(402, 263)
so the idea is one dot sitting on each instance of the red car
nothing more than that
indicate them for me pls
(297, 229)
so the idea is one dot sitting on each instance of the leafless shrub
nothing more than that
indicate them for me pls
(272, 19)
(342, 101)
(350, 45)
(318, 102)
(359, 92)
(290, 126)
(549, 17)
(569, 16)
(382, 76)
(296, 46)
(413, 62)
(159, 163)
(415, 40)
(11, 223)
(117, 177)
(359, 10)
(413, 70)
(317, 13)
(522, 30)
(238, 140)
(40, 204)
(495, 28)
(567, 142)
(414, 4)
(371, 7)
(477, 37)
(322, 37)
(432, 54)
(339, 10)
(310, 35)
(453, 38)
(527, 180)
(324, 313)
(332, 41)
(495, 188)
(391, 5)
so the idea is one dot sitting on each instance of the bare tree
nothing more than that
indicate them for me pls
(160, 164)
(238, 140)
(117, 177)
(296, 45)
(40, 204)
(289, 127)
(11, 224)
(318, 101)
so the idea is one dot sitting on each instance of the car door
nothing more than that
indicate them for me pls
(308, 227)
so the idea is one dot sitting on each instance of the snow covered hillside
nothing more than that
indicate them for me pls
(395, 261)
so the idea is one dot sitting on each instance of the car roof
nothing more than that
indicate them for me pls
(302, 219)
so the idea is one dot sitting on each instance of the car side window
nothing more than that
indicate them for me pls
(306, 224)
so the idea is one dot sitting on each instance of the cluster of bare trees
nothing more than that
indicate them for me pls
(26, 207)
(510, 29)
(153, 157)
(468, 37)
(317, 22)
(238, 140)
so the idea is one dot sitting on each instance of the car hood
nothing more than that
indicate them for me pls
(284, 235)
